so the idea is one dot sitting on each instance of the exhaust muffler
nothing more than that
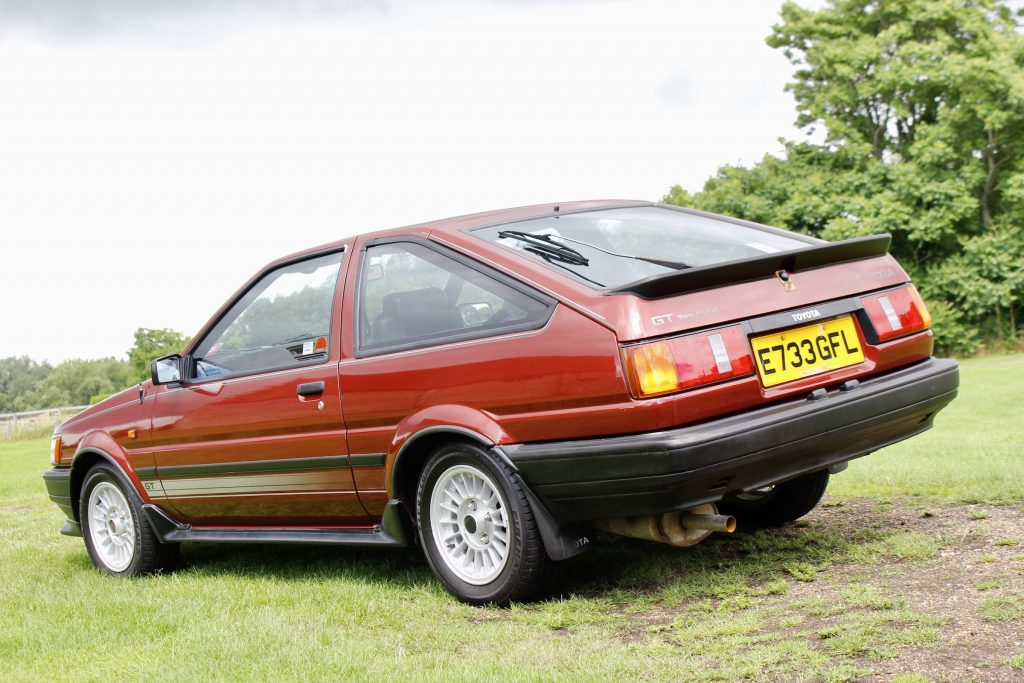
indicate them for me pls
(681, 529)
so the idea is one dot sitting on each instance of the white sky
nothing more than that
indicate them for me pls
(153, 157)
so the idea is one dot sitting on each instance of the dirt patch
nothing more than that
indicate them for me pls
(979, 563)
(936, 590)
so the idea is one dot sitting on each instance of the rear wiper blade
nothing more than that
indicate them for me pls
(544, 246)
(675, 265)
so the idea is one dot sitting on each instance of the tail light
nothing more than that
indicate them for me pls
(897, 312)
(667, 366)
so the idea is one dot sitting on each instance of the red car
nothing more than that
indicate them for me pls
(495, 387)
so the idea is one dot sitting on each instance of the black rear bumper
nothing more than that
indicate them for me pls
(679, 468)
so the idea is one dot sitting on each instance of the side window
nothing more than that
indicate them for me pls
(282, 321)
(412, 295)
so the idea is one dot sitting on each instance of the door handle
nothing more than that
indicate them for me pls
(310, 389)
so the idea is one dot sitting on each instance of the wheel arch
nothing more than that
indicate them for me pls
(560, 541)
(84, 460)
(410, 458)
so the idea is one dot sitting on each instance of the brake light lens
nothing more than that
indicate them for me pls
(652, 369)
(55, 450)
(671, 365)
(897, 313)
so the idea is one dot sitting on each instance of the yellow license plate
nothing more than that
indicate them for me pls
(805, 351)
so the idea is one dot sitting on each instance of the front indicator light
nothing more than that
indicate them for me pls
(55, 449)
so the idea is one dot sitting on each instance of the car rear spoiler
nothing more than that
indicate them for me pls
(732, 272)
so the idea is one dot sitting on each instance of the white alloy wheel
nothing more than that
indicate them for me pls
(469, 519)
(111, 526)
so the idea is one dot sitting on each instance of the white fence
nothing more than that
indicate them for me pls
(17, 425)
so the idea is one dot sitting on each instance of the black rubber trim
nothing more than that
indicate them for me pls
(679, 468)
(326, 462)
(58, 487)
(390, 531)
(805, 315)
(367, 460)
(560, 541)
(732, 272)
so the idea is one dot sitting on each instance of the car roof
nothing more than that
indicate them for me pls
(468, 222)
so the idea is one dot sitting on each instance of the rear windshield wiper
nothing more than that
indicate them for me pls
(543, 246)
(675, 265)
(543, 242)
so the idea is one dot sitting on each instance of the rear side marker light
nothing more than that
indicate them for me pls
(897, 313)
(672, 365)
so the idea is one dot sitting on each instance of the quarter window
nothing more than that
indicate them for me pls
(411, 295)
(284, 320)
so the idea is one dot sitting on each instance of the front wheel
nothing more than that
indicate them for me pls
(477, 527)
(779, 504)
(117, 535)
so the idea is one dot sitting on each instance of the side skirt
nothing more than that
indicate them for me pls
(389, 532)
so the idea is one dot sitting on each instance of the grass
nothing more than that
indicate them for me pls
(1002, 608)
(748, 606)
(974, 454)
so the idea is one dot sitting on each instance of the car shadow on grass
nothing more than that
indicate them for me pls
(399, 567)
(616, 568)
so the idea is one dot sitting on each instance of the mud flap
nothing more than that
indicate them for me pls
(560, 541)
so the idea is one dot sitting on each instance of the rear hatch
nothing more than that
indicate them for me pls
(698, 299)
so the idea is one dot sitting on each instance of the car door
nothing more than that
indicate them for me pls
(254, 435)
(431, 327)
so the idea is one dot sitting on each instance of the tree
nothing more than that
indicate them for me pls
(18, 376)
(27, 385)
(152, 344)
(922, 107)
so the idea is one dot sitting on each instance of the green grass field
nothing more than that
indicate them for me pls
(794, 603)
(975, 453)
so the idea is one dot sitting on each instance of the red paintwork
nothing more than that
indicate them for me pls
(563, 381)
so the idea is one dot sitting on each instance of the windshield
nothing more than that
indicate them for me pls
(613, 247)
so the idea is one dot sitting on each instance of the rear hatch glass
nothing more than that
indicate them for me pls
(610, 248)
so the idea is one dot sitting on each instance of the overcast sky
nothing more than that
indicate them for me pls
(153, 155)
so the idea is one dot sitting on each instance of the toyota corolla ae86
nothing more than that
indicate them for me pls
(496, 387)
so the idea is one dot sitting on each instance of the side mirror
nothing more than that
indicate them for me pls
(476, 313)
(166, 370)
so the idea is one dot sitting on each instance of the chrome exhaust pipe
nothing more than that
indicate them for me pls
(682, 530)
(706, 522)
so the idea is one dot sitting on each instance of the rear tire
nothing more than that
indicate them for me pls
(477, 527)
(118, 537)
(782, 504)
